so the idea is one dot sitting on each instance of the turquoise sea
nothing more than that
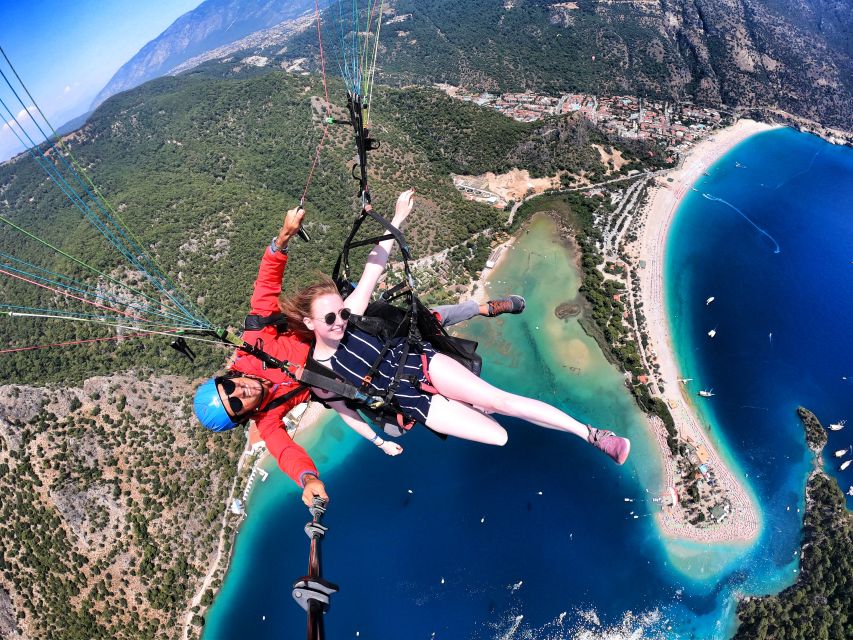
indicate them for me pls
(539, 539)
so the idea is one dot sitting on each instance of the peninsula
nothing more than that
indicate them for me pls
(810, 607)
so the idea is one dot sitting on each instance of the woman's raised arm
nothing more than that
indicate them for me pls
(359, 299)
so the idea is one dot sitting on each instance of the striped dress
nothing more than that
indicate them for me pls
(356, 353)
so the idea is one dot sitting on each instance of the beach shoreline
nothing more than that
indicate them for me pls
(743, 523)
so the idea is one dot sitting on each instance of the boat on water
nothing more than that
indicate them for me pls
(845, 464)
(850, 490)
(841, 452)
(709, 301)
(707, 394)
(712, 332)
(837, 426)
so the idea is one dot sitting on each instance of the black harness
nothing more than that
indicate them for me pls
(398, 313)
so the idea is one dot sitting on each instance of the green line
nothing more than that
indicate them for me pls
(373, 66)
(100, 273)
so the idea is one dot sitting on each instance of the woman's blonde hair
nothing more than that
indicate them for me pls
(298, 305)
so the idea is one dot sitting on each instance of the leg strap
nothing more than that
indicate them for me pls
(426, 385)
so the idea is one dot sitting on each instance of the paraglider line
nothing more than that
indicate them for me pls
(70, 295)
(75, 342)
(80, 262)
(82, 288)
(151, 272)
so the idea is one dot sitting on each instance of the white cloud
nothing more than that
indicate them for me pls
(23, 114)
(67, 88)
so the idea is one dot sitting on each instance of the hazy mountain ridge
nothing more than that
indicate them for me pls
(212, 24)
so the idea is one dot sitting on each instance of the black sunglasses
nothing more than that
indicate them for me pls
(330, 317)
(228, 386)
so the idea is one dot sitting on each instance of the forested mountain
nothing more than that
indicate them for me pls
(792, 56)
(212, 24)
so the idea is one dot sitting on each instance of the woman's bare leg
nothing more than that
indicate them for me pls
(453, 418)
(457, 383)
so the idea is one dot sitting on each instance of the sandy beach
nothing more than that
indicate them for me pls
(743, 523)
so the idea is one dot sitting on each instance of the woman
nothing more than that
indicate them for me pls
(461, 401)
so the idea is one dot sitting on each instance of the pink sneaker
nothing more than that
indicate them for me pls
(614, 446)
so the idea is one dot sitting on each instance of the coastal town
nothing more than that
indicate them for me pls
(673, 126)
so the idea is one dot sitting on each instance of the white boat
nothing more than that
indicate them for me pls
(837, 426)
(840, 453)
(712, 332)
(707, 394)
(850, 490)
(845, 464)
(709, 301)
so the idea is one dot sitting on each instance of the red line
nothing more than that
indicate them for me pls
(326, 89)
(322, 55)
(74, 342)
(65, 293)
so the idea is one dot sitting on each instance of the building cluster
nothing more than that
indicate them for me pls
(673, 125)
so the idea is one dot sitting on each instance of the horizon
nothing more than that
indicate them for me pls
(66, 53)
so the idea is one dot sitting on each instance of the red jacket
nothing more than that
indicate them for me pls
(291, 458)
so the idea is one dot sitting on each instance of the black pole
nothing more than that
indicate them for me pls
(312, 592)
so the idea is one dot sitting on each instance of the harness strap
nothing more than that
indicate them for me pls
(427, 384)
(341, 271)
(394, 292)
(333, 385)
(256, 322)
(403, 424)
(285, 398)
(401, 365)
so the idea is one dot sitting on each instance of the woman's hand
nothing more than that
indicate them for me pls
(405, 204)
(391, 448)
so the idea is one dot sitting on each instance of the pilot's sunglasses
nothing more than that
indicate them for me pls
(235, 404)
(330, 317)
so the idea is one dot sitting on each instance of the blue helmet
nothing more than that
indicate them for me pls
(209, 408)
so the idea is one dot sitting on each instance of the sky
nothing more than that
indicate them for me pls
(67, 50)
